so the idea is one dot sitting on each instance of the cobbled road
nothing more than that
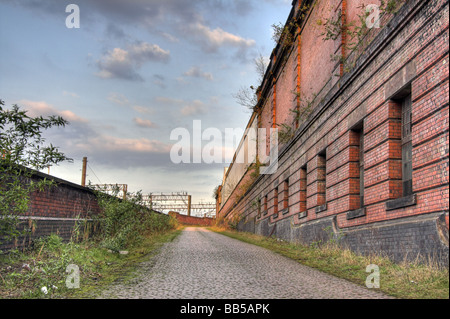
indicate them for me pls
(200, 264)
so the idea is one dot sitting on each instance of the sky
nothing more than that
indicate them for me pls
(132, 73)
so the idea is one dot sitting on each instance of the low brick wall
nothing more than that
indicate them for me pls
(194, 221)
(57, 210)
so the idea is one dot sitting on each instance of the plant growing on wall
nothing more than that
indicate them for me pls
(22, 147)
(285, 133)
(355, 31)
(306, 106)
(216, 192)
(281, 34)
(247, 96)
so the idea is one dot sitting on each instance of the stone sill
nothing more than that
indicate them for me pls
(356, 213)
(303, 215)
(321, 208)
(401, 202)
(284, 211)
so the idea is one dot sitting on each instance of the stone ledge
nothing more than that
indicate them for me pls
(356, 213)
(303, 215)
(321, 208)
(401, 202)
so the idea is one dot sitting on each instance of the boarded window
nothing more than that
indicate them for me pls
(358, 134)
(406, 146)
(359, 130)
(275, 201)
(322, 177)
(303, 188)
(286, 194)
(361, 168)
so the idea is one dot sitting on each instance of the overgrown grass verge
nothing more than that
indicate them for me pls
(128, 233)
(409, 280)
(24, 274)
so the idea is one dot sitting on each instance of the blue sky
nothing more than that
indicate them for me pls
(134, 71)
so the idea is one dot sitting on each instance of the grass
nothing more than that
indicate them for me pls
(23, 274)
(409, 280)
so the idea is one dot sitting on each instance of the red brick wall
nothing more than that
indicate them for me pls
(64, 201)
(56, 211)
(413, 50)
(193, 221)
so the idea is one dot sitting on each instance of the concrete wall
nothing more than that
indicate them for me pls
(410, 50)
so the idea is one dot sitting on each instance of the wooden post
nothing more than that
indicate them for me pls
(189, 205)
(83, 173)
(125, 190)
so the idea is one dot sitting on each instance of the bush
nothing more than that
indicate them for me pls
(125, 222)
(22, 148)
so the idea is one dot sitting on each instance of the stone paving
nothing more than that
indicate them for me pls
(200, 264)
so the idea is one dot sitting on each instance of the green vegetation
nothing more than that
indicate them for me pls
(124, 223)
(355, 31)
(22, 147)
(412, 280)
(42, 269)
(24, 274)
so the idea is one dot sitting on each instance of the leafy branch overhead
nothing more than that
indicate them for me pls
(22, 148)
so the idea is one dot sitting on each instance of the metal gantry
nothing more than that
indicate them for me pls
(180, 202)
(119, 190)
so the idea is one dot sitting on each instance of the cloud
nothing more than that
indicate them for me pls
(110, 143)
(158, 80)
(124, 63)
(196, 72)
(186, 108)
(118, 98)
(174, 20)
(213, 40)
(71, 94)
(113, 31)
(144, 123)
(170, 37)
(143, 109)
(42, 108)
(194, 108)
(143, 52)
(168, 100)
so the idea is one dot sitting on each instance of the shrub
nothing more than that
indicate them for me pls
(125, 222)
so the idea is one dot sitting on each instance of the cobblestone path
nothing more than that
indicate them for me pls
(200, 264)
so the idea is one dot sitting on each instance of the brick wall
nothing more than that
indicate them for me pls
(57, 210)
(356, 120)
(192, 220)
